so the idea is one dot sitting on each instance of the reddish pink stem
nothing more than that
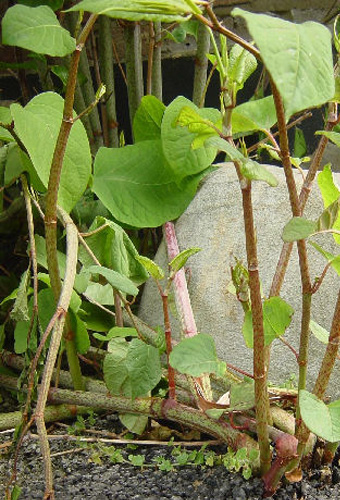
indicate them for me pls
(180, 285)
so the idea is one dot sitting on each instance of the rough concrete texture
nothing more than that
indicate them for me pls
(214, 222)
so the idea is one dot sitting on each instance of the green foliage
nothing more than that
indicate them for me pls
(148, 119)
(298, 228)
(134, 423)
(242, 398)
(36, 29)
(138, 187)
(196, 355)
(46, 309)
(149, 183)
(329, 216)
(114, 250)
(241, 460)
(5, 119)
(334, 260)
(37, 125)
(53, 4)
(131, 368)
(20, 308)
(137, 460)
(79, 329)
(249, 168)
(181, 31)
(116, 331)
(20, 337)
(319, 332)
(322, 419)
(253, 115)
(177, 141)
(310, 53)
(329, 191)
(137, 10)
(181, 259)
(241, 65)
(277, 315)
(155, 271)
(116, 280)
(95, 318)
(196, 124)
(300, 147)
(16, 492)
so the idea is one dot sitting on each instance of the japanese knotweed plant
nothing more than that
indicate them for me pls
(148, 184)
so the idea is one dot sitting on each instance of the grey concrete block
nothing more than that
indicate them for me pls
(214, 222)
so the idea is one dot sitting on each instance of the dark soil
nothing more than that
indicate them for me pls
(86, 473)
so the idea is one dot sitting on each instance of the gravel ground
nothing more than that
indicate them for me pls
(82, 475)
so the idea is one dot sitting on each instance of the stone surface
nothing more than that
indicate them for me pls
(214, 222)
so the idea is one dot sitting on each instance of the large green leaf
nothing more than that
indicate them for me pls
(136, 184)
(329, 191)
(298, 57)
(196, 355)
(114, 249)
(177, 141)
(251, 169)
(148, 119)
(277, 315)
(322, 419)
(36, 29)
(298, 228)
(116, 280)
(137, 10)
(131, 368)
(254, 115)
(37, 125)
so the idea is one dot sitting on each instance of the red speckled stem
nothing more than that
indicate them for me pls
(180, 285)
